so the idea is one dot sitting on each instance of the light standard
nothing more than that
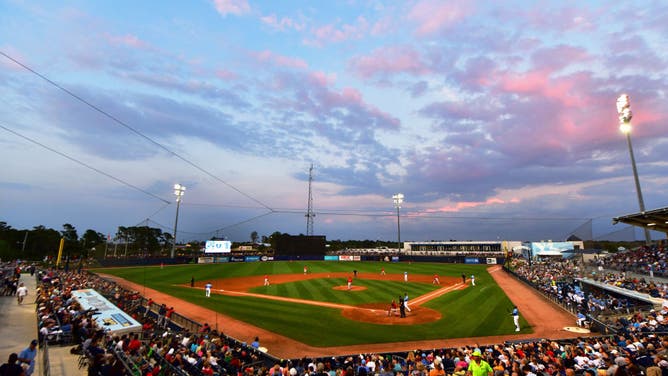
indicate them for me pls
(179, 190)
(625, 116)
(398, 199)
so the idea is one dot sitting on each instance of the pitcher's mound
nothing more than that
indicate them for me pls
(352, 288)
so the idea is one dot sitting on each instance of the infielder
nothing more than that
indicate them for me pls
(207, 289)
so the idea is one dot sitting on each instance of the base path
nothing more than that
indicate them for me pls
(546, 318)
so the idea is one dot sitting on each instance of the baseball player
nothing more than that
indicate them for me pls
(207, 289)
(436, 281)
(516, 318)
(266, 280)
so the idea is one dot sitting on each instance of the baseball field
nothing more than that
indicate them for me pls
(318, 309)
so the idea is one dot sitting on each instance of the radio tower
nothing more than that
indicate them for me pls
(309, 212)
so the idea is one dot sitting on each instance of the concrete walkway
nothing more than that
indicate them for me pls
(19, 323)
(19, 327)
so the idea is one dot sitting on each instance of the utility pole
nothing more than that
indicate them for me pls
(310, 215)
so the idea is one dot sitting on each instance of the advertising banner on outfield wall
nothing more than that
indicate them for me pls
(205, 260)
(252, 258)
(221, 259)
(491, 261)
(471, 260)
(331, 258)
(349, 258)
(237, 259)
(395, 258)
(267, 258)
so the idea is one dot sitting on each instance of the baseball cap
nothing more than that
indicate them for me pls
(476, 353)
(33, 342)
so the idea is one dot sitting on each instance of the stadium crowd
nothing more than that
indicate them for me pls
(161, 348)
(647, 260)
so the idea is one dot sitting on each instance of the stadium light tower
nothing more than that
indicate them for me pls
(179, 190)
(398, 199)
(625, 116)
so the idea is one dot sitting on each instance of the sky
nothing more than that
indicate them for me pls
(495, 120)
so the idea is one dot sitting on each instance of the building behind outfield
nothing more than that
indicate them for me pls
(436, 248)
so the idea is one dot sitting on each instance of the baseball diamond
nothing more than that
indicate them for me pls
(316, 315)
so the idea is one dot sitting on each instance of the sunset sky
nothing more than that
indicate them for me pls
(496, 120)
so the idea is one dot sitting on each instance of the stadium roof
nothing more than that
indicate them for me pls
(655, 220)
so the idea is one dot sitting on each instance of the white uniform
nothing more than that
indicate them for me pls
(516, 319)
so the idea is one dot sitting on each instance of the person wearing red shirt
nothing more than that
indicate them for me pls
(149, 303)
(168, 316)
(134, 344)
(350, 282)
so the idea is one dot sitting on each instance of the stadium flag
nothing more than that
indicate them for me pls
(60, 251)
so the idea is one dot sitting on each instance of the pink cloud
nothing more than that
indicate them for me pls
(562, 19)
(282, 24)
(559, 57)
(127, 40)
(565, 90)
(337, 34)
(323, 79)
(463, 205)
(389, 60)
(267, 56)
(226, 74)
(236, 7)
(432, 16)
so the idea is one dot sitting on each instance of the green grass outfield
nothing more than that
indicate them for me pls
(483, 310)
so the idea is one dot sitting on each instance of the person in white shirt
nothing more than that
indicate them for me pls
(21, 292)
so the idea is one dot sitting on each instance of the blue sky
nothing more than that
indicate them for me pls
(496, 121)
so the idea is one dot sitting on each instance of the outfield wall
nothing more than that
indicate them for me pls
(214, 259)
(383, 258)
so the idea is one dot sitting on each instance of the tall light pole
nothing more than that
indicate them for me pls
(179, 190)
(398, 199)
(625, 116)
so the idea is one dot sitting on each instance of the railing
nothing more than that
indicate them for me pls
(44, 358)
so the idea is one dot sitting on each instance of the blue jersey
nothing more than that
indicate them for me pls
(515, 312)
(208, 286)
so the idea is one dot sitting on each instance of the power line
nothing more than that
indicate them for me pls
(83, 164)
(133, 130)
